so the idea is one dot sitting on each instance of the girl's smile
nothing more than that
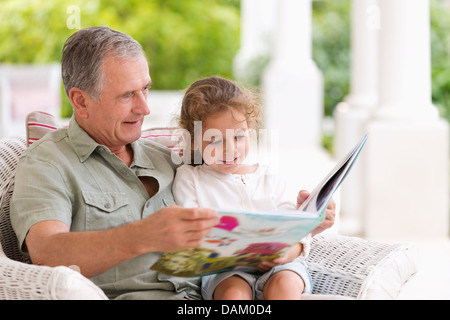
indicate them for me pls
(228, 145)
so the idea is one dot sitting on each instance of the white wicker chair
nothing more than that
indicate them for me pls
(18, 279)
(341, 267)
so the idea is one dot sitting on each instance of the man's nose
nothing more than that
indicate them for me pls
(141, 105)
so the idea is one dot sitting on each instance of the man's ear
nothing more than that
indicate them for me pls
(79, 99)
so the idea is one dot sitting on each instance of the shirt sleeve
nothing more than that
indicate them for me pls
(279, 192)
(306, 242)
(40, 194)
(183, 188)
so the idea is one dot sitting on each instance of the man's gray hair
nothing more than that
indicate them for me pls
(84, 53)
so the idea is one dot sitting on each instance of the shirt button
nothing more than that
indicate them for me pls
(107, 205)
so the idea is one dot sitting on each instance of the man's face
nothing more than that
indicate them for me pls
(116, 119)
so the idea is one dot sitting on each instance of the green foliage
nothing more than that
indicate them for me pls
(184, 39)
(331, 48)
(440, 51)
(31, 31)
(188, 39)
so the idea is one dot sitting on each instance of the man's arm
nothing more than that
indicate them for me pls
(173, 228)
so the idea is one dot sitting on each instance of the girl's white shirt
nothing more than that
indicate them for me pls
(260, 191)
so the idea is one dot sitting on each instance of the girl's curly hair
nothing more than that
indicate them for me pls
(213, 95)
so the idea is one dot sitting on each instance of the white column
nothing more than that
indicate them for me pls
(352, 114)
(292, 83)
(405, 47)
(407, 151)
(293, 101)
(258, 21)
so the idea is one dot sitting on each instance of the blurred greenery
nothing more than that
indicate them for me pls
(331, 49)
(188, 39)
(332, 54)
(440, 60)
(183, 39)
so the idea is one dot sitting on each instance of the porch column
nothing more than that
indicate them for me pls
(292, 91)
(407, 151)
(352, 114)
(258, 20)
(292, 83)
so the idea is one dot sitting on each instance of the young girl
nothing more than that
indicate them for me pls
(224, 181)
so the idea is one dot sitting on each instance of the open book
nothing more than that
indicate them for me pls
(243, 239)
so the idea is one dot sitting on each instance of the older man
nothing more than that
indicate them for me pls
(96, 196)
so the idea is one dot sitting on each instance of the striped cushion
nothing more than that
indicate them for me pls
(170, 137)
(39, 123)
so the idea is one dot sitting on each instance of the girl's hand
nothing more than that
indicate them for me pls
(330, 214)
(293, 253)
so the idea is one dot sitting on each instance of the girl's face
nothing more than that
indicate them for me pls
(225, 141)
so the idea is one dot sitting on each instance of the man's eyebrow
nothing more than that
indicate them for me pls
(147, 86)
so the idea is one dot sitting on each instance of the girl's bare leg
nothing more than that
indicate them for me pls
(233, 288)
(284, 285)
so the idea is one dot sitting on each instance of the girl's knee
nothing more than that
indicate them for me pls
(284, 285)
(233, 288)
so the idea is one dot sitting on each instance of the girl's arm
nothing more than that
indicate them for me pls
(183, 187)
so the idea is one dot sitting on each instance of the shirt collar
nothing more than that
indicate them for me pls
(140, 157)
(82, 143)
(84, 146)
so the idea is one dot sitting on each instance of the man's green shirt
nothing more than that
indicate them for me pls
(67, 176)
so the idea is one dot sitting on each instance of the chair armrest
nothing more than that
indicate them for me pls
(358, 268)
(21, 281)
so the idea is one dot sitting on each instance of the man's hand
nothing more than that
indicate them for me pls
(51, 243)
(330, 214)
(176, 228)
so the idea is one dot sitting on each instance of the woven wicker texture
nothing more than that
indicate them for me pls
(354, 267)
(20, 281)
(10, 151)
